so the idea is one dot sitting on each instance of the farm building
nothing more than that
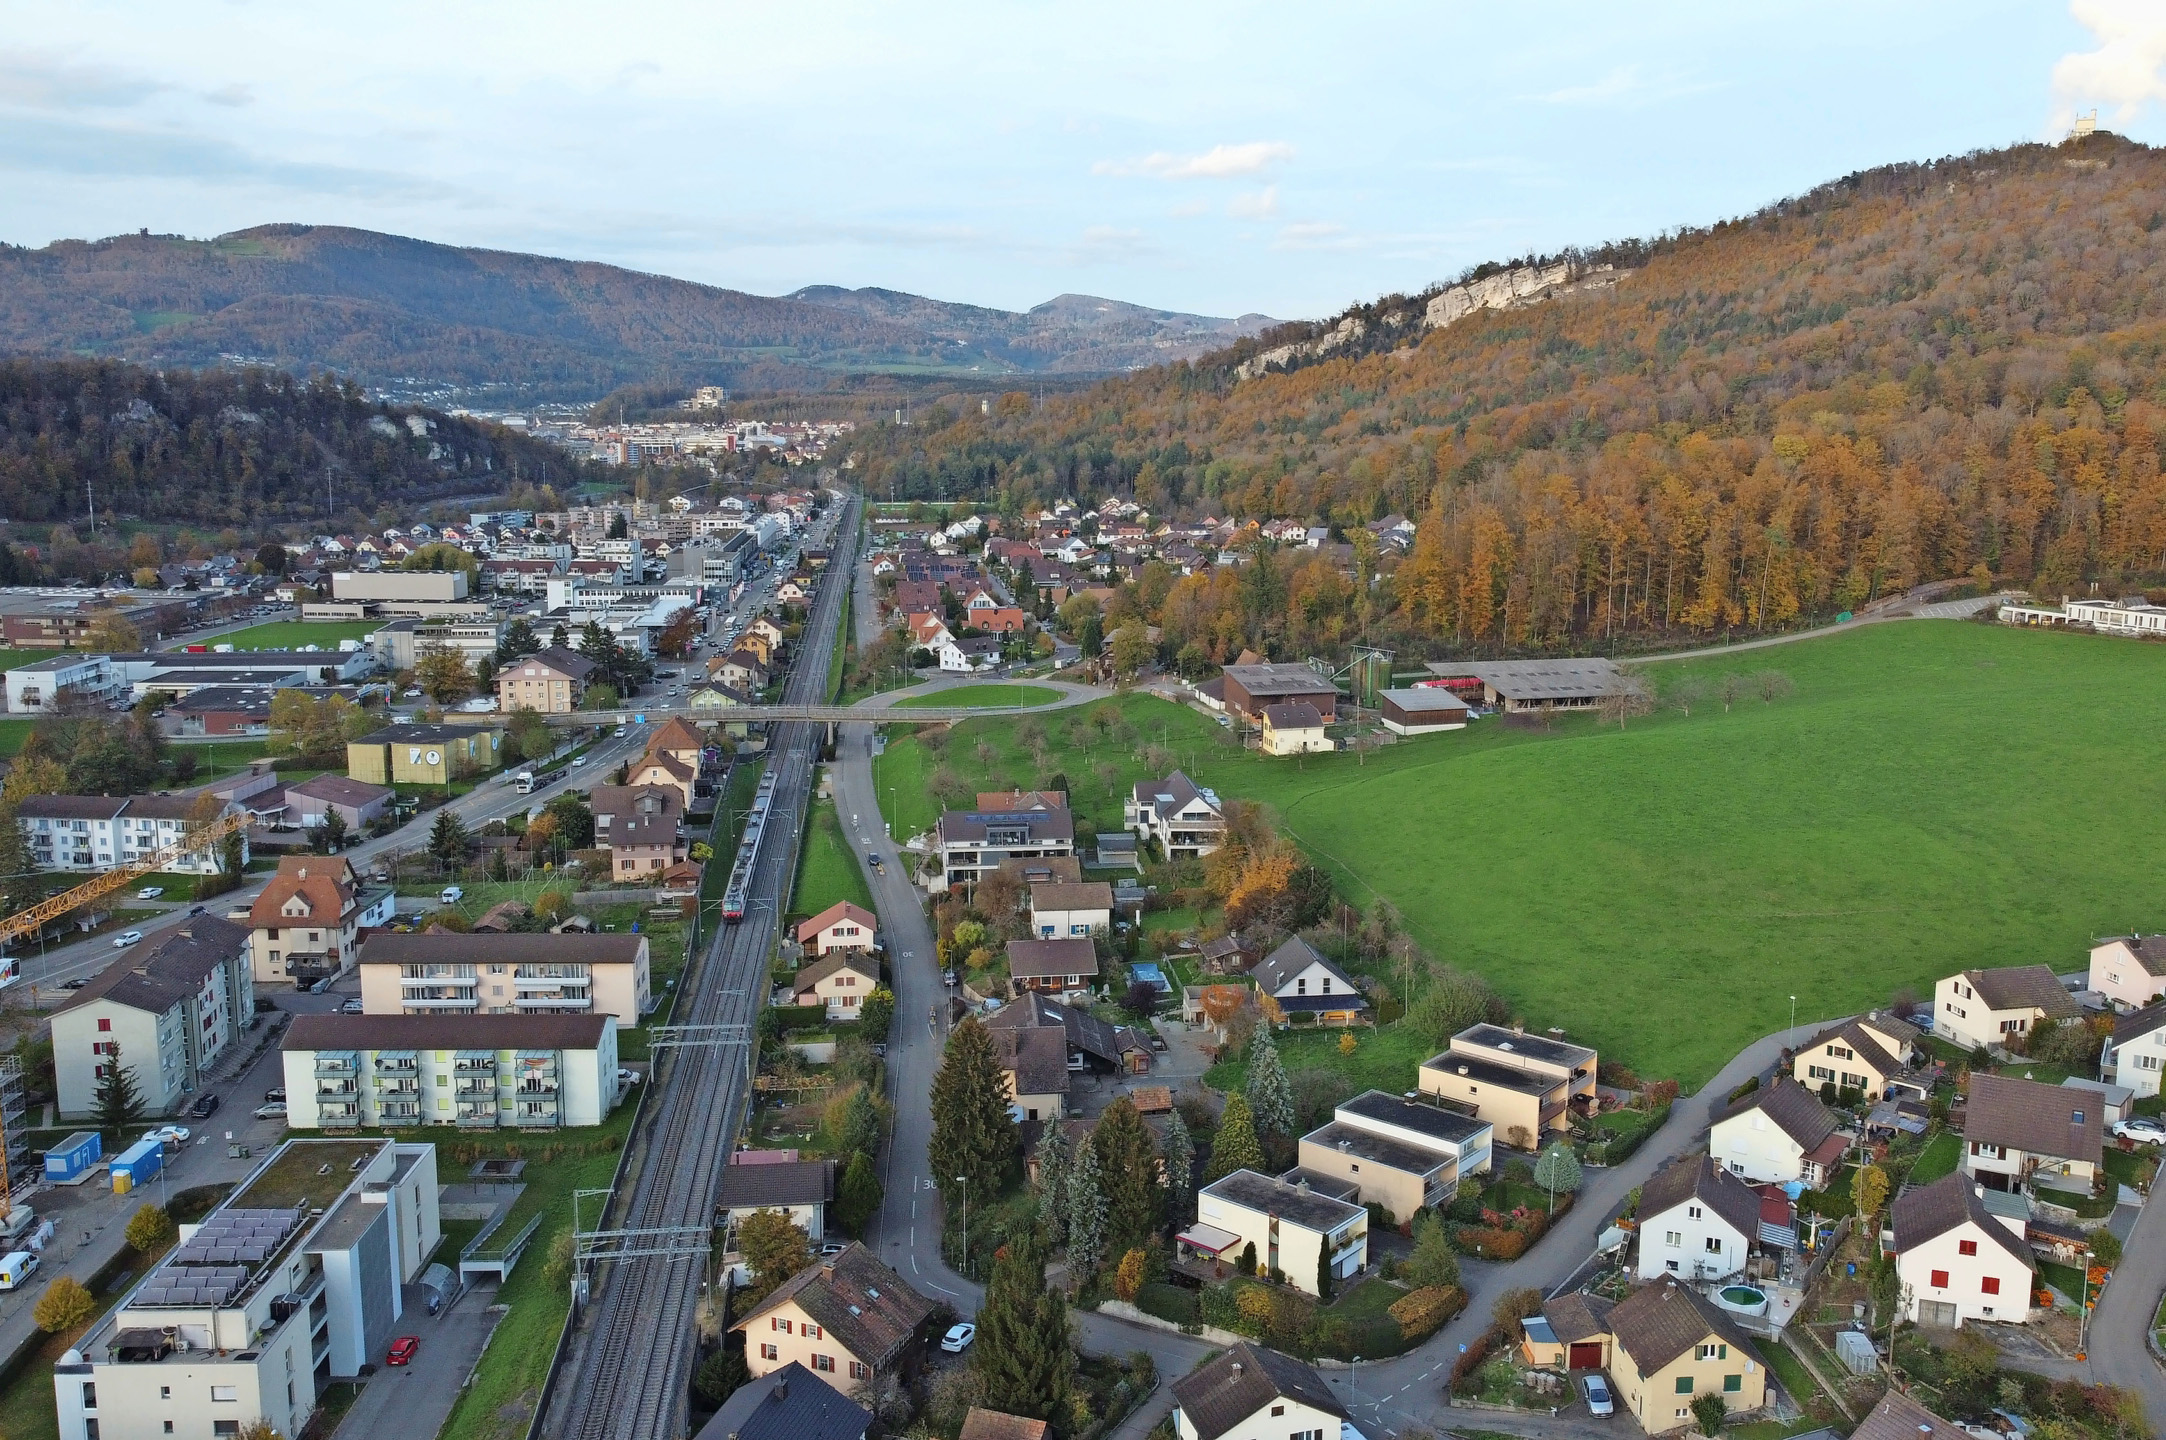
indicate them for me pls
(1294, 727)
(1422, 710)
(1250, 688)
(1520, 685)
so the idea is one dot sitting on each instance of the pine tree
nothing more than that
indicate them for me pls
(1086, 1215)
(860, 1129)
(1433, 1261)
(1323, 1273)
(1270, 1096)
(447, 838)
(973, 1131)
(1179, 1151)
(333, 830)
(1054, 1165)
(1234, 1147)
(1557, 1170)
(119, 1101)
(1022, 1357)
(558, 640)
(1128, 1172)
(857, 1194)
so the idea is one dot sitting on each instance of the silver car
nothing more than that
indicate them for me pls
(1596, 1389)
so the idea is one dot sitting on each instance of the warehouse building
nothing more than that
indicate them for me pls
(1250, 689)
(1521, 685)
(1422, 710)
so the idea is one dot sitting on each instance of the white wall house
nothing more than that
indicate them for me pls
(2129, 970)
(1290, 1226)
(1697, 1221)
(1956, 1260)
(2136, 1054)
(1999, 1007)
(165, 1013)
(477, 1072)
(35, 687)
(1778, 1134)
(1062, 908)
(1183, 817)
(1250, 1393)
(97, 833)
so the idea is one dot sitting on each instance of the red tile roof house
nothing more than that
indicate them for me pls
(840, 981)
(1057, 966)
(841, 926)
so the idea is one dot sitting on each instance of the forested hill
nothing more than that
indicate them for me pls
(246, 449)
(382, 307)
(1918, 372)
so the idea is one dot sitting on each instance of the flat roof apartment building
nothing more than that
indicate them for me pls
(1525, 1085)
(438, 973)
(485, 1072)
(973, 842)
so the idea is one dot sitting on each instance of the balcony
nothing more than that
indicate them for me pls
(346, 1114)
(531, 1114)
(475, 1087)
(398, 1087)
(469, 1062)
(477, 1115)
(396, 1111)
(424, 1003)
(346, 1065)
(546, 1004)
(337, 1089)
(538, 1085)
(399, 1065)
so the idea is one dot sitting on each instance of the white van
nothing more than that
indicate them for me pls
(16, 1268)
(451, 895)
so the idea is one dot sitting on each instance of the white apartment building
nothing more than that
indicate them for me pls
(1958, 1261)
(291, 1283)
(98, 833)
(1291, 1226)
(37, 686)
(166, 1011)
(1183, 817)
(439, 973)
(478, 1072)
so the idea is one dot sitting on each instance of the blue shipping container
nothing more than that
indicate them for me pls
(72, 1156)
(139, 1162)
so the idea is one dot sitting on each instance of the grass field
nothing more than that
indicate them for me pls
(990, 697)
(9, 659)
(1660, 892)
(293, 634)
(826, 870)
(13, 733)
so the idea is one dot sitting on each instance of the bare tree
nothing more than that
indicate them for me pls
(1631, 695)
(1686, 693)
(1772, 685)
(1729, 689)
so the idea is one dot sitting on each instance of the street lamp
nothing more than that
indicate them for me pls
(964, 1181)
(1790, 1039)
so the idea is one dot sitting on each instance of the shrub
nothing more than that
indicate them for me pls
(150, 1230)
(1253, 1305)
(1425, 1311)
(1466, 1371)
(64, 1305)
(1709, 1410)
(1128, 1279)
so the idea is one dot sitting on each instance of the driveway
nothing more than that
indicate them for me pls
(416, 1399)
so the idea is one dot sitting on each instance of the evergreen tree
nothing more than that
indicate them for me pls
(1433, 1261)
(973, 1131)
(1128, 1172)
(332, 835)
(1234, 1147)
(1557, 1170)
(517, 641)
(19, 887)
(858, 1194)
(1179, 1152)
(558, 639)
(1022, 1357)
(119, 1100)
(859, 1132)
(1323, 1273)
(1086, 1214)
(1054, 1164)
(447, 838)
(1270, 1096)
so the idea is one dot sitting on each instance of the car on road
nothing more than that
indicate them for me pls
(276, 1092)
(276, 1110)
(402, 1350)
(958, 1338)
(351, 1007)
(15, 1268)
(578, 760)
(198, 909)
(169, 1135)
(2143, 1129)
(76, 984)
(617, 733)
(206, 1106)
(150, 892)
(126, 938)
(1596, 1389)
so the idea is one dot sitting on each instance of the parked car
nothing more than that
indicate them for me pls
(958, 1338)
(351, 1007)
(578, 760)
(2143, 1129)
(126, 938)
(169, 1135)
(15, 1268)
(76, 984)
(150, 892)
(450, 895)
(206, 1106)
(402, 1349)
(831, 1248)
(276, 1092)
(1596, 1390)
(627, 1077)
(276, 1110)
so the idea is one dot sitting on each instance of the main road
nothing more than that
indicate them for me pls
(628, 1376)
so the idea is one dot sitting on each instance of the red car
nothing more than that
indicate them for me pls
(402, 1349)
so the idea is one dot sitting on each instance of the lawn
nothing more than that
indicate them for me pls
(1938, 1158)
(1662, 891)
(989, 697)
(10, 659)
(13, 733)
(826, 870)
(1383, 1059)
(293, 634)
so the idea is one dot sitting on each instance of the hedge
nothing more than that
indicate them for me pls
(1427, 1310)
(1168, 1302)
(1470, 1363)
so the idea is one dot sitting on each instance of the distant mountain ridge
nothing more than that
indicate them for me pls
(385, 308)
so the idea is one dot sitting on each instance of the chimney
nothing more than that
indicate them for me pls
(782, 1389)
(1236, 1369)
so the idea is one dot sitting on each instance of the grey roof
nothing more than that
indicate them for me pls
(1235, 1385)
(1293, 715)
(1489, 1072)
(2115, 1096)
(1079, 895)
(1899, 1416)
(1448, 1126)
(835, 961)
(750, 1187)
(969, 826)
(1702, 1178)
(1290, 959)
(2016, 987)
(1377, 1149)
(2035, 1118)
(1867, 1045)
(541, 1030)
(1172, 793)
(1434, 697)
(1793, 1109)
(409, 734)
(2149, 950)
(791, 1403)
(869, 1309)
(71, 807)
(568, 663)
(1656, 1324)
(341, 790)
(1269, 1196)
(1268, 680)
(1562, 679)
(1927, 1211)
(440, 948)
(169, 972)
(1043, 959)
(1517, 1042)
(1038, 1058)
(2139, 1023)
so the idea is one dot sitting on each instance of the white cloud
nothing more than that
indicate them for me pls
(1255, 205)
(2125, 72)
(1628, 86)
(1314, 235)
(47, 82)
(1220, 162)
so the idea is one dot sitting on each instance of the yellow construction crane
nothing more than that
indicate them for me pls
(28, 922)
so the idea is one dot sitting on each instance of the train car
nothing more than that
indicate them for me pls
(735, 899)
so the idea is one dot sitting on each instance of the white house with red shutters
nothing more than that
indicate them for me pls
(1959, 1261)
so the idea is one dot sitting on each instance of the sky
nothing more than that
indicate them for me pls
(1220, 158)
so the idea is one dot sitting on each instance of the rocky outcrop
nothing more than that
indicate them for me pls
(1510, 289)
(1285, 357)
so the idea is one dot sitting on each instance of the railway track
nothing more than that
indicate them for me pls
(630, 1373)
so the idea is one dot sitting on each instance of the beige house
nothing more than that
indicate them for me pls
(847, 1319)
(1524, 1085)
(1059, 910)
(840, 981)
(604, 974)
(1057, 966)
(1871, 1054)
(1401, 1154)
(1669, 1347)
(1999, 1007)
(2129, 970)
(1292, 1227)
(1294, 728)
(302, 924)
(841, 926)
(643, 828)
(1034, 1068)
(661, 769)
(549, 682)
(1959, 1261)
